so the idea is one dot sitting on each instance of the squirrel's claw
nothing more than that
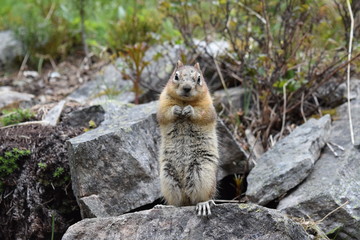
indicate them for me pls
(203, 208)
(177, 111)
(188, 111)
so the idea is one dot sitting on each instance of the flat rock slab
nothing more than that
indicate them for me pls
(107, 84)
(333, 182)
(289, 162)
(10, 98)
(114, 168)
(82, 117)
(52, 117)
(228, 221)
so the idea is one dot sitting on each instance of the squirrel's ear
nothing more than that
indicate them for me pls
(197, 66)
(179, 64)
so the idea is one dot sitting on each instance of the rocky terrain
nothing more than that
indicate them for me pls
(306, 186)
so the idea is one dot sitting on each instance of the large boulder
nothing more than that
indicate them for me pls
(289, 162)
(229, 221)
(334, 182)
(114, 167)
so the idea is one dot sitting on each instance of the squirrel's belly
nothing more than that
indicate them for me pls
(185, 142)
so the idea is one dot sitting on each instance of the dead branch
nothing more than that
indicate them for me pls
(348, 71)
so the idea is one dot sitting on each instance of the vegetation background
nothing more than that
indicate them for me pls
(282, 52)
(300, 44)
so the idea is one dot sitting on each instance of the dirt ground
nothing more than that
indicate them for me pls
(34, 195)
(37, 200)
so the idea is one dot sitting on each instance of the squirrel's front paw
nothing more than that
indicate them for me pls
(176, 110)
(188, 111)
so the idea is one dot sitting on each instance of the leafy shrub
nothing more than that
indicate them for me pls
(283, 51)
(51, 29)
(42, 28)
(140, 22)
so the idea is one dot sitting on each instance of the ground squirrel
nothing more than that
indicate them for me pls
(189, 148)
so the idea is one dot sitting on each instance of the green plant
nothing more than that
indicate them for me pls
(9, 163)
(42, 165)
(15, 116)
(134, 59)
(60, 177)
(92, 125)
(52, 29)
(52, 226)
(43, 29)
(58, 172)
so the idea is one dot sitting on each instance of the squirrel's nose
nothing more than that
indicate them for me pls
(187, 88)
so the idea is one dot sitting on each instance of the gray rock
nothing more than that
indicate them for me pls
(334, 181)
(354, 89)
(289, 162)
(335, 93)
(55, 75)
(12, 98)
(5, 88)
(31, 74)
(108, 84)
(83, 116)
(52, 117)
(10, 48)
(162, 60)
(233, 99)
(214, 49)
(233, 158)
(228, 221)
(114, 167)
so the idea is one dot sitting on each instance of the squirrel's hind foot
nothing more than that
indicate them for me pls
(203, 208)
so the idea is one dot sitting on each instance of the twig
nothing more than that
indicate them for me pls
(253, 12)
(324, 79)
(51, 11)
(318, 105)
(302, 107)
(348, 71)
(223, 83)
(47, 56)
(7, 195)
(327, 215)
(338, 146)
(332, 150)
(269, 38)
(10, 210)
(226, 201)
(272, 142)
(23, 64)
(284, 110)
(44, 123)
(256, 148)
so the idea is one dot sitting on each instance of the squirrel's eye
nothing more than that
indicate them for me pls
(176, 76)
(199, 80)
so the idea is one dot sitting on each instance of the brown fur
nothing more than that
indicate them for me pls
(189, 150)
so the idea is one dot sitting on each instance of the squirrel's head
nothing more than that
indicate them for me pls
(187, 82)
